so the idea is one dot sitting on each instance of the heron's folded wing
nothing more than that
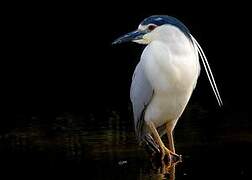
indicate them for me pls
(141, 93)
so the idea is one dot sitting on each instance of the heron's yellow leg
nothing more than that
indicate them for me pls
(169, 130)
(164, 150)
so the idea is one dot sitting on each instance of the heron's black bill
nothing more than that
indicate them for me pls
(134, 35)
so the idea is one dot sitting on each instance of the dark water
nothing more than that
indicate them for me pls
(92, 148)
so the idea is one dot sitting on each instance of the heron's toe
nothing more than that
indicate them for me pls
(165, 152)
(176, 157)
(169, 156)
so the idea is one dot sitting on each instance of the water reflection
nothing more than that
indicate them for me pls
(108, 150)
(164, 171)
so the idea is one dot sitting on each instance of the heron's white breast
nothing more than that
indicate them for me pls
(172, 68)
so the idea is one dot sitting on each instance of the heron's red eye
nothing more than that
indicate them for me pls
(152, 27)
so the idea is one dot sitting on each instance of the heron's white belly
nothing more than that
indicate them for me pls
(172, 77)
(166, 108)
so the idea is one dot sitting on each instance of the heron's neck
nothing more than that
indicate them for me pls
(175, 39)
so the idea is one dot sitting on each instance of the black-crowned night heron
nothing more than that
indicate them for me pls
(164, 79)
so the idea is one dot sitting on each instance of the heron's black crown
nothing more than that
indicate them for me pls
(164, 19)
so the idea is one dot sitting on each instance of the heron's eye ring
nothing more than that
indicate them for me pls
(151, 27)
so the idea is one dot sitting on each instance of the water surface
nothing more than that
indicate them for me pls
(72, 146)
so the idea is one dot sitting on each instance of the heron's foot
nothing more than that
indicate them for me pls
(165, 161)
(165, 152)
(176, 157)
(171, 156)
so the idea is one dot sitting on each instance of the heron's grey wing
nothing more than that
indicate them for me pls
(141, 93)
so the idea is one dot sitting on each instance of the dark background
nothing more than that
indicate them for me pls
(58, 58)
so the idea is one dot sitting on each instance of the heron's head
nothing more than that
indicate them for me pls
(149, 28)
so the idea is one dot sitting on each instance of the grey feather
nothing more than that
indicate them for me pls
(141, 93)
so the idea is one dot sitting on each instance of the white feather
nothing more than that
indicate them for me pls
(208, 71)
